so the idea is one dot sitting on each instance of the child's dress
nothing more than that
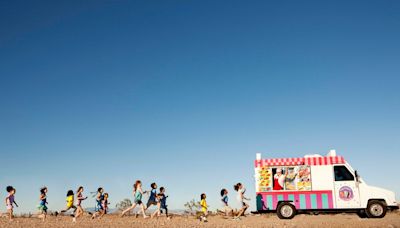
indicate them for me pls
(105, 206)
(42, 205)
(70, 201)
(79, 199)
(10, 202)
(138, 197)
(203, 204)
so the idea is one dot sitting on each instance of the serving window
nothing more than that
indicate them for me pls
(290, 178)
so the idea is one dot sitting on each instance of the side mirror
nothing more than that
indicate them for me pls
(357, 176)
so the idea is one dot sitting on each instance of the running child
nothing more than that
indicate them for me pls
(138, 194)
(104, 205)
(153, 200)
(70, 202)
(79, 199)
(224, 199)
(99, 199)
(42, 204)
(163, 200)
(99, 202)
(204, 207)
(10, 201)
(241, 199)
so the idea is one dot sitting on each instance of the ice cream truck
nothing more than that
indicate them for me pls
(316, 183)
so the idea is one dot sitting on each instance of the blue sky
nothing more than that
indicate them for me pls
(184, 93)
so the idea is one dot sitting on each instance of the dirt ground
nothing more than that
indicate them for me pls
(391, 220)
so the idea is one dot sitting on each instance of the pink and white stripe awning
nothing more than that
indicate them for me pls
(300, 161)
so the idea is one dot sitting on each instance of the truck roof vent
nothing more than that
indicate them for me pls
(312, 155)
(332, 153)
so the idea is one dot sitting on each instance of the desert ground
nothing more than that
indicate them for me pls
(267, 220)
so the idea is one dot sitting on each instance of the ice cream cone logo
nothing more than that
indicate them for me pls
(346, 193)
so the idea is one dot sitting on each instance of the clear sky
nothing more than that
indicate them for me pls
(184, 93)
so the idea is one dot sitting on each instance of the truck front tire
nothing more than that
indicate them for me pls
(376, 209)
(286, 210)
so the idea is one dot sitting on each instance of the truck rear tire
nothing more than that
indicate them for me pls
(376, 209)
(286, 210)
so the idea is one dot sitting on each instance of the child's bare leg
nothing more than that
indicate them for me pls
(42, 216)
(155, 213)
(103, 212)
(79, 212)
(240, 213)
(158, 209)
(143, 207)
(10, 214)
(205, 214)
(128, 209)
(94, 214)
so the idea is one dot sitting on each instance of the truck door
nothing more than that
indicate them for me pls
(346, 188)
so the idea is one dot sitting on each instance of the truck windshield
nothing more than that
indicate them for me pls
(343, 174)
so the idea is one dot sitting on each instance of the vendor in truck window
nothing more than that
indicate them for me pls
(343, 174)
(279, 179)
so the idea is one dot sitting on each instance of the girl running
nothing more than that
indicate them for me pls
(43, 201)
(10, 201)
(137, 193)
(204, 208)
(104, 206)
(99, 200)
(70, 202)
(79, 199)
(241, 197)
(226, 209)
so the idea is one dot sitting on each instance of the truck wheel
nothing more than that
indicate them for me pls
(376, 209)
(286, 210)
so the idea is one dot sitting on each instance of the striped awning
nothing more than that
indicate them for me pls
(300, 161)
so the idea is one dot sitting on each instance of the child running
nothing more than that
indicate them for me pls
(42, 205)
(241, 197)
(79, 199)
(224, 199)
(104, 207)
(153, 200)
(10, 201)
(105, 203)
(137, 193)
(70, 202)
(204, 207)
(99, 202)
(163, 200)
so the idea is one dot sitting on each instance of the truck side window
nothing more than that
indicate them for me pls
(343, 174)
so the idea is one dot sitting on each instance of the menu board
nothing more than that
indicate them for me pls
(264, 179)
(291, 179)
(304, 178)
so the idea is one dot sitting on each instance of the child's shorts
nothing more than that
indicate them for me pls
(151, 202)
(42, 208)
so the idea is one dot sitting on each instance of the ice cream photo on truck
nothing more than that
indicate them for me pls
(316, 183)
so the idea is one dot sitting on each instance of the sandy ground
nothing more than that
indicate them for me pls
(270, 220)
